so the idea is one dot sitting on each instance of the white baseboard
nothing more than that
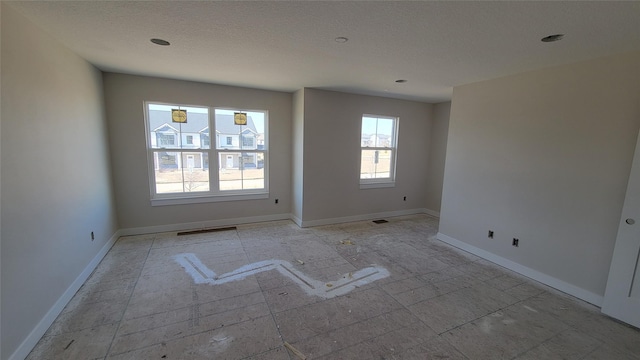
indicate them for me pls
(202, 224)
(555, 283)
(34, 336)
(432, 213)
(345, 219)
(296, 220)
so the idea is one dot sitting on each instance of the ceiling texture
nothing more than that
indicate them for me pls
(287, 46)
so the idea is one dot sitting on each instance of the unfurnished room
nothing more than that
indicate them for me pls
(286, 180)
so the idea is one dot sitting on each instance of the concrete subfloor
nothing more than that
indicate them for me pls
(437, 303)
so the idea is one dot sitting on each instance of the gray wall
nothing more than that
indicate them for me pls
(332, 122)
(57, 148)
(544, 156)
(297, 155)
(437, 155)
(125, 95)
(56, 182)
(0, 186)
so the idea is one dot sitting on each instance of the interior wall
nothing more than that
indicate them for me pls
(544, 156)
(125, 96)
(0, 182)
(437, 155)
(56, 180)
(332, 122)
(297, 180)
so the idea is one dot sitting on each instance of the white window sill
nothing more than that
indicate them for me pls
(207, 199)
(376, 185)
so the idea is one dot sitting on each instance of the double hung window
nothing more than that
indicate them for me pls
(378, 139)
(184, 165)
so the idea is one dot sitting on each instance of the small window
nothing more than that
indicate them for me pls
(189, 139)
(378, 138)
(205, 140)
(165, 140)
(229, 140)
(247, 141)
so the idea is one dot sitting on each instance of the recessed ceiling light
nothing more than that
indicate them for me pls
(160, 42)
(341, 39)
(552, 38)
(401, 81)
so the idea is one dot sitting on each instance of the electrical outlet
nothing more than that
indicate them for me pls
(92, 236)
(277, 201)
(490, 234)
(404, 198)
(515, 242)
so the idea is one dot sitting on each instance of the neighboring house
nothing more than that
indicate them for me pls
(230, 137)
(373, 139)
(194, 134)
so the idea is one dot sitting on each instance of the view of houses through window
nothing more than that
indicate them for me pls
(378, 149)
(241, 156)
(183, 160)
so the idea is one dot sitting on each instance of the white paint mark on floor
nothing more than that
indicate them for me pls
(530, 308)
(217, 345)
(201, 274)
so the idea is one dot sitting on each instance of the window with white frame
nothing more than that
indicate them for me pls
(378, 143)
(242, 167)
(197, 170)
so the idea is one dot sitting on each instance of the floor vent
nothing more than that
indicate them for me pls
(203, 231)
(381, 221)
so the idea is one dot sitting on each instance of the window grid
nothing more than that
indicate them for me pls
(200, 169)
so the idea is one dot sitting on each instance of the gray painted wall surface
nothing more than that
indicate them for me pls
(332, 122)
(437, 154)
(125, 95)
(0, 186)
(544, 157)
(53, 112)
(56, 182)
(297, 154)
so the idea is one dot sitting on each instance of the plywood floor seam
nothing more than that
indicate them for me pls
(349, 291)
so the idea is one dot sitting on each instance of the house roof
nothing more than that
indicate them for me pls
(225, 125)
(196, 122)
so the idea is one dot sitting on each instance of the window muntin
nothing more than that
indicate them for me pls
(378, 139)
(181, 155)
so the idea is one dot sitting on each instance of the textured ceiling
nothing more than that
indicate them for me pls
(290, 45)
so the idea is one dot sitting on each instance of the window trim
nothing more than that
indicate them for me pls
(374, 183)
(214, 194)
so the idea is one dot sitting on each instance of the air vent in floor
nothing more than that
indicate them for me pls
(203, 231)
